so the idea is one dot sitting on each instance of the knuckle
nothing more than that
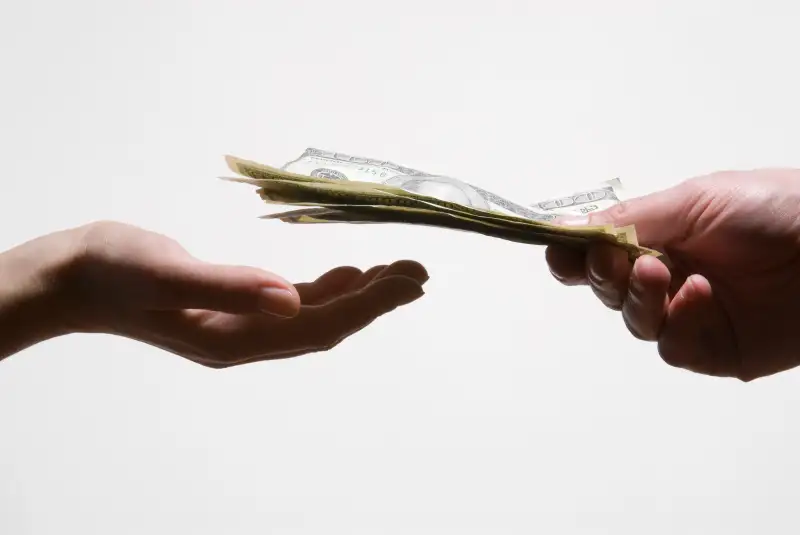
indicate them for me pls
(93, 240)
(99, 233)
(618, 211)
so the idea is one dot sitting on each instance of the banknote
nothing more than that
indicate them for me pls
(264, 175)
(339, 166)
(622, 238)
(341, 188)
(582, 202)
(590, 199)
(352, 209)
(388, 214)
(333, 195)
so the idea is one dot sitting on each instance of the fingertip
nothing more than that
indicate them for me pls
(695, 288)
(700, 284)
(407, 268)
(649, 272)
(268, 279)
(697, 335)
(374, 271)
(341, 273)
(692, 296)
(279, 300)
(397, 289)
(645, 305)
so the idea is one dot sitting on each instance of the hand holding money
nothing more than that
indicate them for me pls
(338, 188)
(730, 303)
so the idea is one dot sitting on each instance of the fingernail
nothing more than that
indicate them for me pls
(687, 288)
(278, 301)
(690, 283)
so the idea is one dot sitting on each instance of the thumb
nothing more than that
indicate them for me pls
(696, 334)
(192, 283)
(659, 217)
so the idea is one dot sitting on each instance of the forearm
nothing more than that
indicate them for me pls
(30, 311)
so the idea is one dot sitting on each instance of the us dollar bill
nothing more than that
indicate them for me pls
(623, 237)
(599, 197)
(357, 206)
(463, 222)
(310, 189)
(589, 199)
(339, 166)
(341, 188)
(349, 196)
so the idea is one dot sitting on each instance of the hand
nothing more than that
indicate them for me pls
(730, 304)
(118, 279)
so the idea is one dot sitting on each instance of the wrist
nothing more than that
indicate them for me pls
(32, 307)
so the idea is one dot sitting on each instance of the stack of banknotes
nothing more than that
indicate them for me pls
(340, 188)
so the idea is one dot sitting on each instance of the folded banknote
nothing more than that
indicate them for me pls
(339, 188)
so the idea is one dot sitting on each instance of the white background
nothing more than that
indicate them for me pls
(501, 402)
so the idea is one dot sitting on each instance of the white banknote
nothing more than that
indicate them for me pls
(340, 166)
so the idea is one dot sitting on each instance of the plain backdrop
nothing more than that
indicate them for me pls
(501, 402)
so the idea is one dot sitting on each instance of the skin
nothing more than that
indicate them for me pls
(729, 303)
(109, 277)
